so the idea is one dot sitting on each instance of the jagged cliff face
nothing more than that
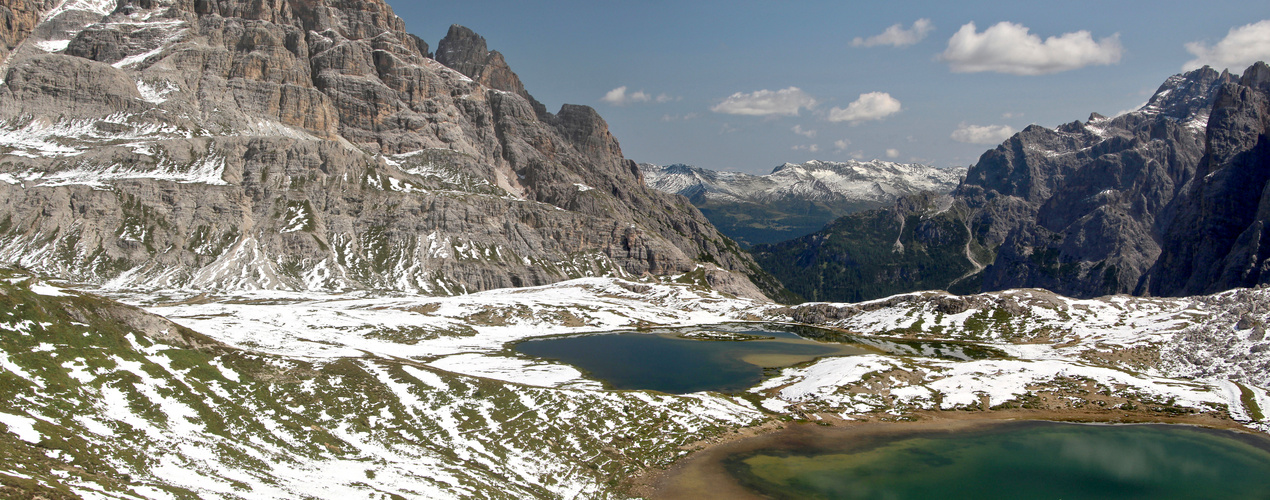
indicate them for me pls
(1219, 237)
(1079, 209)
(309, 145)
(1166, 200)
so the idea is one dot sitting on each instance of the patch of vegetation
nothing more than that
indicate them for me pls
(856, 257)
(1249, 401)
(754, 224)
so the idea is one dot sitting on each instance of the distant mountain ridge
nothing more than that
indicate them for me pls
(795, 198)
(1163, 200)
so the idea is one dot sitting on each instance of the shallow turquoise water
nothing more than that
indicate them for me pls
(1024, 460)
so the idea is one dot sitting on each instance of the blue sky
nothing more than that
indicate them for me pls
(709, 83)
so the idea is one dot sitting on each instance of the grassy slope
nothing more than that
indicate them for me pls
(121, 412)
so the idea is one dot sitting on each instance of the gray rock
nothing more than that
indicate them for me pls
(233, 144)
(1171, 199)
(1217, 238)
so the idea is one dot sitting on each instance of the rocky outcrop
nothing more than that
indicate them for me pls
(1084, 203)
(17, 19)
(315, 145)
(1219, 238)
(1139, 203)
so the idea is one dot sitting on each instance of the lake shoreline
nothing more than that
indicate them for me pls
(700, 474)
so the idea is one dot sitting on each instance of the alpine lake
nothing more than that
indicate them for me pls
(985, 460)
(727, 358)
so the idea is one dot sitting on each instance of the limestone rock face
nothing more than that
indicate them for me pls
(17, 19)
(1165, 200)
(312, 144)
(1219, 237)
(1090, 198)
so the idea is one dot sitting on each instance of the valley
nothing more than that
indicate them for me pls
(425, 396)
(287, 249)
(795, 199)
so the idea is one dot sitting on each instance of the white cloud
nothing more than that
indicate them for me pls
(619, 97)
(1009, 48)
(870, 106)
(897, 36)
(1242, 46)
(841, 145)
(807, 147)
(892, 153)
(766, 103)
(798, 129)
(1007, 115)
(982, 134)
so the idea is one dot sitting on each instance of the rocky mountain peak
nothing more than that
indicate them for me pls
(312, 145)
(1220, 236)
(465, 51)
(1162, 200)
(1256, 76)
(1187, 95)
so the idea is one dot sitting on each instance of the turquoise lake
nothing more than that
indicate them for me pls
(1042, 460)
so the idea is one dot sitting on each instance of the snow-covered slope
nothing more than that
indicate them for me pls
(285, 394)
(796, 198)
(874, 181)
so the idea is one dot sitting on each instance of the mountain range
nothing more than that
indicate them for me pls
(284, 249)
(795, 198)
(1164, 200)
(311, 146)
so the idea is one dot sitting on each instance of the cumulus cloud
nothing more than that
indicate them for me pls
(897, 36)
(807, 147)
(892, 153)
(766, 103)
(870, 106)
(620, 97)
(1009, 48)
(841, 145)
(1242, 46)
(982, 134)
(798, 129)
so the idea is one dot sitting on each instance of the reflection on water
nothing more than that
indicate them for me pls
(1021, 460)
(680, 361)
(724, 358)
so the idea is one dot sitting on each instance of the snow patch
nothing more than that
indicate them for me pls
(23, 427)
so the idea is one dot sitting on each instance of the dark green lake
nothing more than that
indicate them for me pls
(1041, 460)
(665, 361)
